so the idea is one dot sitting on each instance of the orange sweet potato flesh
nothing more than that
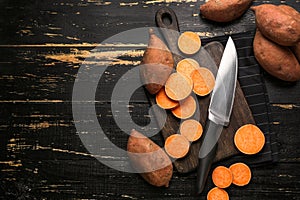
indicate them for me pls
(157, 64)
(276, 25)
(277, 60)
(224, 10)
(164, 101)
(241, 174)
(177, 146)
(186, 108)
(222, 177)
(249, 139)
(217, 194)
(156, 164)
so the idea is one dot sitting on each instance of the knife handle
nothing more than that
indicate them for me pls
(207, 153)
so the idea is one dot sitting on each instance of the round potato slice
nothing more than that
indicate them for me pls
(241, 174)
(191, 129)
(164, 101)
(204, 81)
(217, 194)
(222, 177)
(249, 139)
(189, 43)
(177, 146)
(186, 108)
(178, 86)
(187, 66)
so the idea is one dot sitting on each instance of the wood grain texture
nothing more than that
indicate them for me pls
(42, 156)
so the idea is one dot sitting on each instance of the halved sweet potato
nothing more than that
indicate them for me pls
(151, 161)
(157, 64)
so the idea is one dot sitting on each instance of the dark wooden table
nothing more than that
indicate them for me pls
(42, 46)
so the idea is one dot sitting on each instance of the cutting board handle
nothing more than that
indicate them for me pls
(166, 19)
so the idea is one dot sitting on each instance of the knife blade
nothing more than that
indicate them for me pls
(219, 111)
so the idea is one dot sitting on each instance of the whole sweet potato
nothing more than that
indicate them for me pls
(277, 60)
(157, 64)
(296, 50)
(290, 11)
(148, 159)
(224, 10)
(276, 25)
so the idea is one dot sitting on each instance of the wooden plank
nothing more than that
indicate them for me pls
(281, 91)
(94, 21)
(62, 170)
(49, 72)
(65, 170)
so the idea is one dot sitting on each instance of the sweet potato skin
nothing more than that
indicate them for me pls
(156, 163)
(276, 25)
(277, 60)
(290, 11)
(157, 64)
(296, 51)
(225, 10)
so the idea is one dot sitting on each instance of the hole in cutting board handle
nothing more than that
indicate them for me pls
(166, 19)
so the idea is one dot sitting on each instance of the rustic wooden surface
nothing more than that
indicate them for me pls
(42, 45)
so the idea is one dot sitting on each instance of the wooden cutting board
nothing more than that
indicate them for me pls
(241, 113)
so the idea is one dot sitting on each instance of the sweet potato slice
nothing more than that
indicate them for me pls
(189, 43)
(222, 177)
(164, 101)
(249, 139)
(217, 194)
(241, 174)
(157, 64)
(178, 86)
(177, 146)
(187, 66)
(147, 157)
(204, 81)
(191, 129)
(186, 108)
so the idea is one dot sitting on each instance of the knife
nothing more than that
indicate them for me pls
(219, 111)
